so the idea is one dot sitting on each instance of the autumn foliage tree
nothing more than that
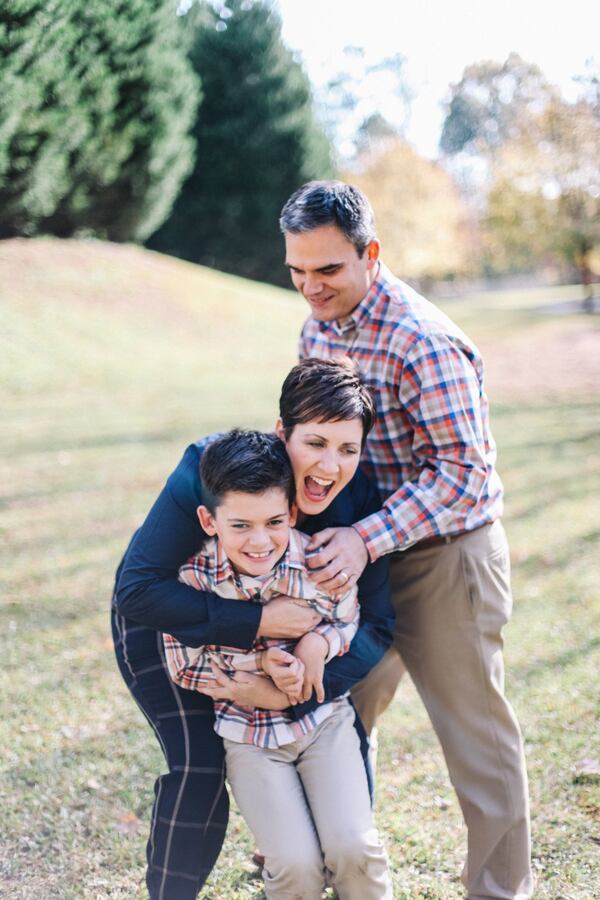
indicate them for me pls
(546, 192)
(420, 218)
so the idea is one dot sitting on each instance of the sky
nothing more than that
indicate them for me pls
(438, 39)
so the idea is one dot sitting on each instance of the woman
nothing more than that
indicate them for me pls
(322, 404)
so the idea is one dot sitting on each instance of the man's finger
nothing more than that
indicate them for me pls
(319, 538)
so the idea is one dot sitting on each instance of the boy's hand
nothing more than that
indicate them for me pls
(285, 670)
(245, 689)
(312, 649)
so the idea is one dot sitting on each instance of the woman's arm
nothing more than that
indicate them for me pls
(147, 590)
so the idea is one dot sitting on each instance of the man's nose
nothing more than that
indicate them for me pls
(313, 285)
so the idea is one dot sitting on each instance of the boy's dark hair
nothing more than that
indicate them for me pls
(249, 462)
(319, 203)
(325, 390)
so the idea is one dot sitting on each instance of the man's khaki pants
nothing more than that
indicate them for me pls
(451, 602)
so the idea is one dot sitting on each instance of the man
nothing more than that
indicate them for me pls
(433, 457)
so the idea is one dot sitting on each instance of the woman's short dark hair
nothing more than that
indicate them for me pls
(325, 390)
(319, 203)
(248, 462)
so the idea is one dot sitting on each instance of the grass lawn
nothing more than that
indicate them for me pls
(112, 360)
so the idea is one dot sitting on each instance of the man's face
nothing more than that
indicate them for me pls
(254, 529)
(328, 271)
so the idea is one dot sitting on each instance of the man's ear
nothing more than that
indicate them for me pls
(280, 430)
(293, 514)
(206, 519)
(373, 251)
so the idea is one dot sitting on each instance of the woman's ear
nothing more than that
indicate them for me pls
(280, 430)
(206, 519)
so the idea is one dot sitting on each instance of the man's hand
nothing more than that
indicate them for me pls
(287, 617)
(245, 689)
(285, 670)
(312, 650)
(341, 559)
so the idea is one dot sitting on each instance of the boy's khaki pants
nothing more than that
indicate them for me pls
(451, 601)
(307, 804)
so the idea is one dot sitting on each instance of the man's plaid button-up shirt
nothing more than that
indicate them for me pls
(431, 451)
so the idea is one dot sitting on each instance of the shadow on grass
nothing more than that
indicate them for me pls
(543, 666)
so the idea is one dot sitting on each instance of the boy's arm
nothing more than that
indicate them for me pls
(340, 623)
(189, 667)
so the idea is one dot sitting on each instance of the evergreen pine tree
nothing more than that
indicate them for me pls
(257, 141)
(96, 105)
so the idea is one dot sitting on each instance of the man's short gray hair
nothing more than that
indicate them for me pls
(319, 203)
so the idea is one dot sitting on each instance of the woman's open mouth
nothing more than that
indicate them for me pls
(317, 489)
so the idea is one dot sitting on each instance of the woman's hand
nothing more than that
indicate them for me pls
(312, 649)
(340, 561)
(245, 689)
(287, 617)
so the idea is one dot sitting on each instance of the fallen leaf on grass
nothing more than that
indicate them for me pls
(587, 771)
(129, 824)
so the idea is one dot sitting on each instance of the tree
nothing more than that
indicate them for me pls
(420, 218)
(546, 194)
(96, 104)
(492, 104)
(350, 102)
(257, 142)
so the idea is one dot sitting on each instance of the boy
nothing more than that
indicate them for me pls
(312, 765)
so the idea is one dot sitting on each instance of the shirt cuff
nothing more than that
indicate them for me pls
(377, 535)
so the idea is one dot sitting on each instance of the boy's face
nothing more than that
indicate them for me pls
(253, 528)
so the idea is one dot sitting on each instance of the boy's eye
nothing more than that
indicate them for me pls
(239, 525)
(276, 522)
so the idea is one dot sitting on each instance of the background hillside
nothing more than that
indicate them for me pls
(112, 359)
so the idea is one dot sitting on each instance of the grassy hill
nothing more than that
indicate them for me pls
(112, 359)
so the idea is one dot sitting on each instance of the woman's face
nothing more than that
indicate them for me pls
(324, 457)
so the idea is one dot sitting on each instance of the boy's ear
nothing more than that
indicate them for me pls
(293, 514)
(207, 522)
(279, 430)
